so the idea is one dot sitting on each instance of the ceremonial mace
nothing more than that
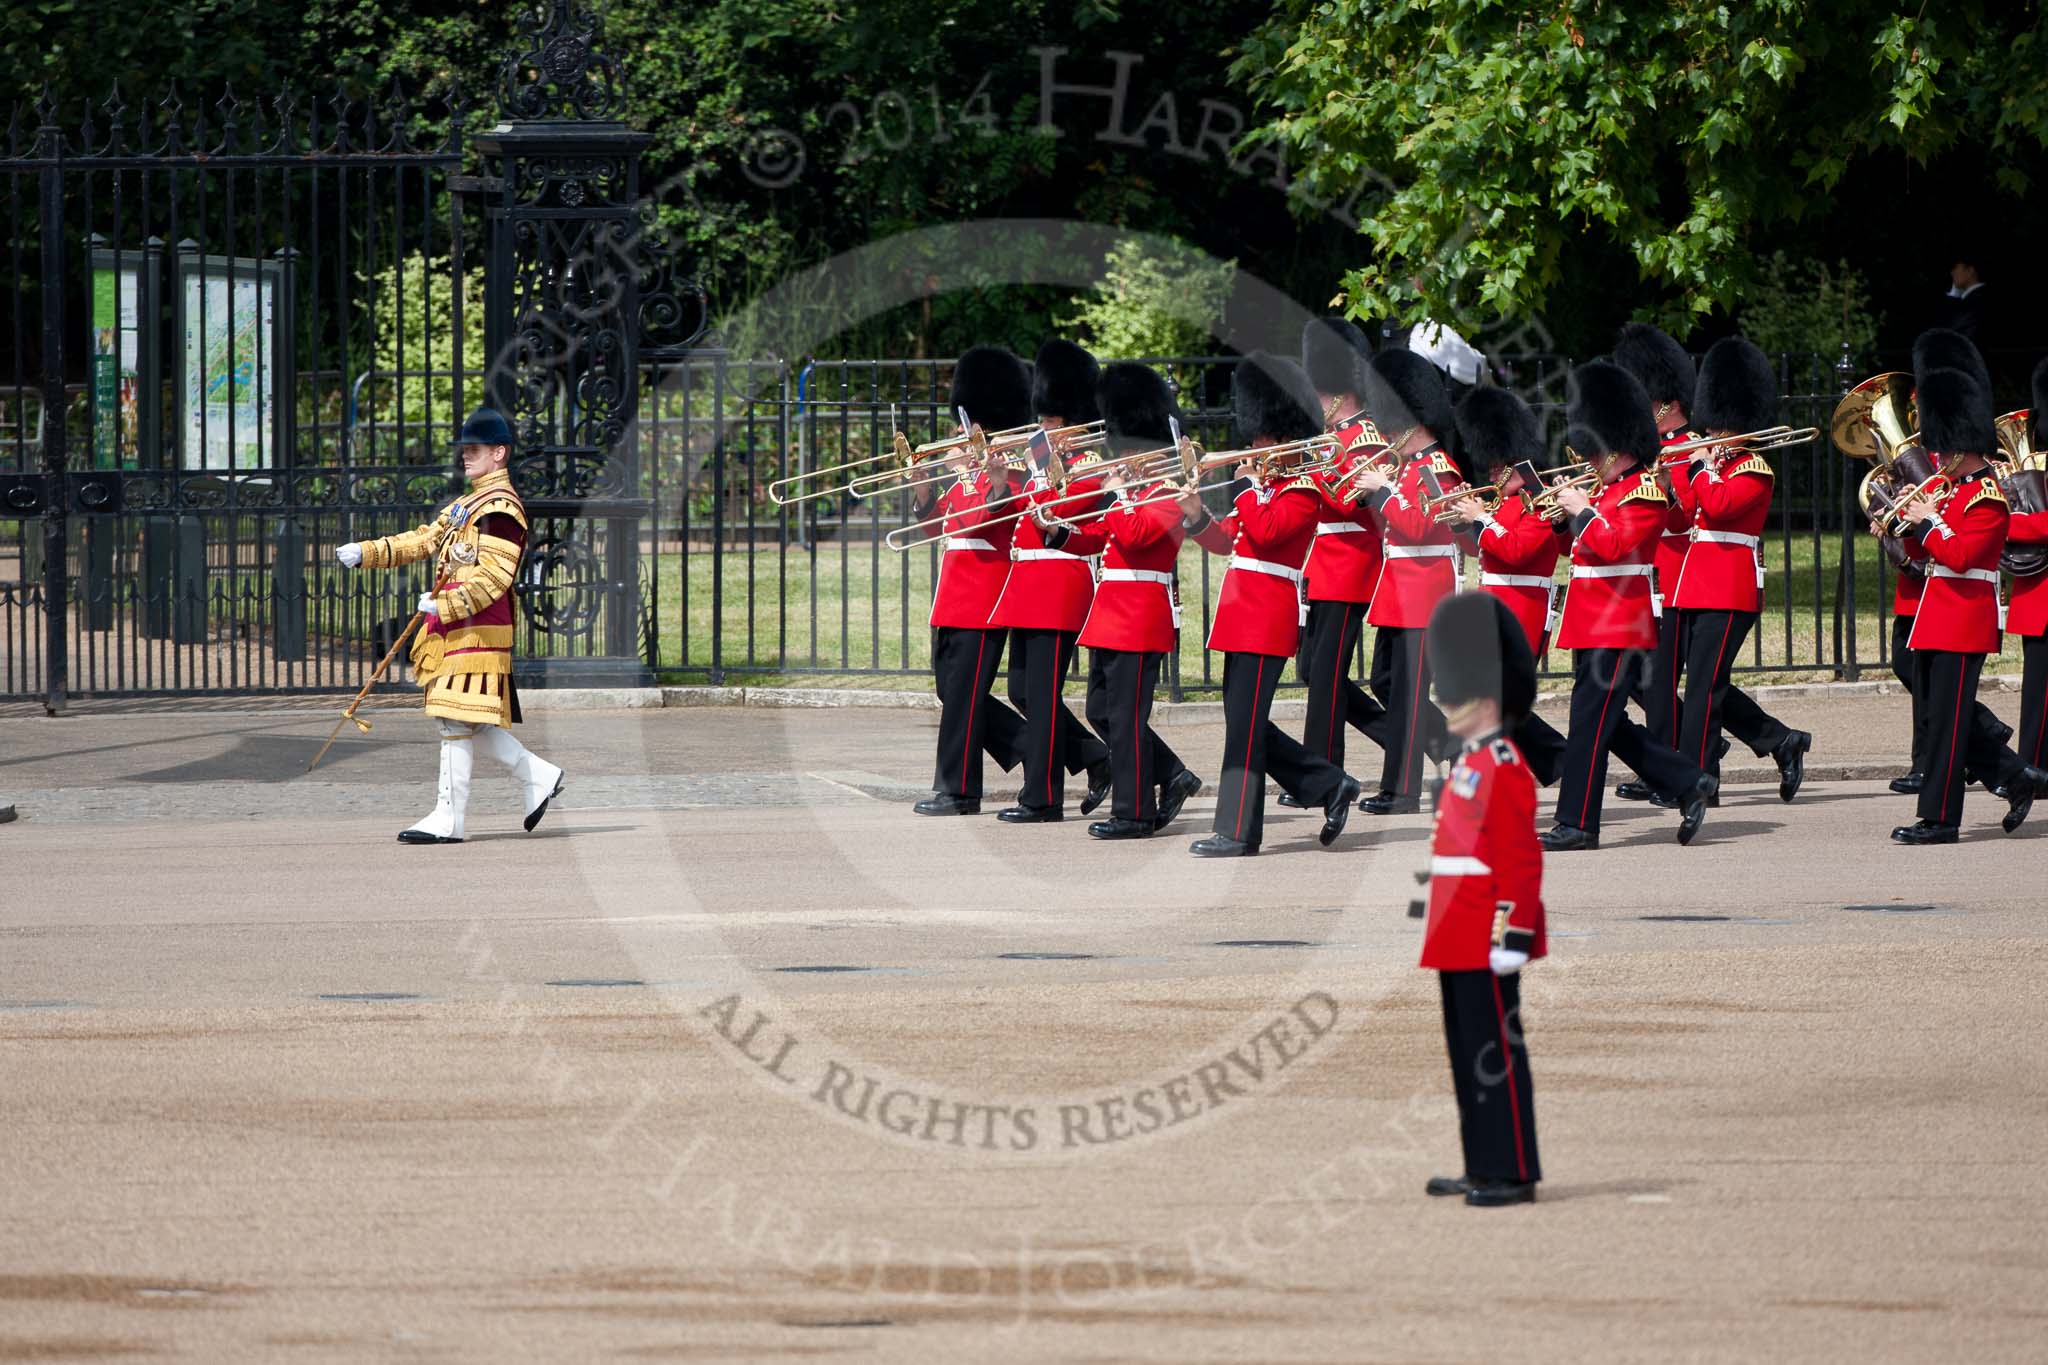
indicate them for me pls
(350, 714)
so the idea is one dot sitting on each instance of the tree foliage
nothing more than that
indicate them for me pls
(1154, 302)
(1500, 154)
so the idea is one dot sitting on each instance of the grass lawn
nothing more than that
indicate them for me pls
(854, 613)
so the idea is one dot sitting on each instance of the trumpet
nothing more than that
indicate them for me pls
(1745, 443)
(1545, 503)
(1441, 508)
(1891, 514)
(1377, 457)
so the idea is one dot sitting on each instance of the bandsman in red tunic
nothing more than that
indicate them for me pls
(1344, 562)
(1607, 620)
(1135, 620)
(1405, 398)
(1045, 599)
(1669, 377)
(462, 654)
(2027, 616)
(1485, 919)
(1518, 546)
(1258, 621)
(1957, 624)
(1719, 593)
(993, 388)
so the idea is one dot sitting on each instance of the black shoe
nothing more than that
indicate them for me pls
(1447, 1184)
(1390, 803)
(1495, 1195)
(420, 836)
(1291, 801)
(949, 805)
(1693, 813)
(1910, 784)
(2019, 796)
(1217, 846)
(1925, 832)
(1120, 829)
(542, 808)
(1566, 839)
(1791, 760)
(1635, 790)
(1031, 815)
(1174, 796)
(1337, 810)
(1098, 787)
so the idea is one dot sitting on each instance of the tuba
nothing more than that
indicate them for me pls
(2022, 479)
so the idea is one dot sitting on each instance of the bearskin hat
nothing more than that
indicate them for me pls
(1496, 428)
(2037, 423)
(1403, 390)
(994, 386)
(1955, 414)
(1332, 350)
(1607, 412)
(1939, 348)
(1136, 404)
(1476, 649)
(1271, 398)
(1737, 390)
(1659, 363)
(1063, 380)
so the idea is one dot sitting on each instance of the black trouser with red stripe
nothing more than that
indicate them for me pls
(1658, 693)
(1120, 687)
(1542, 748)
(1054, 742)
(1400, 675)
(2033, 745)
(1962, 735)
(1254, 746)
(964, 664)
(1903, 670)
(1334, 699)
(1712, 701)
(1602, 682)
(1490, 1071)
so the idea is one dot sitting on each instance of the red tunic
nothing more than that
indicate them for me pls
(1518, 553)
(1906, 593)
(976, 554)
(2028, 614)
(1608, 603)
(1136, 606)
(1959, 606)
(1485, 866)
(1723, 570)
(1418, 571)
(1048, 589)
(1267, 537)
(1344, 563)
(1674, 541)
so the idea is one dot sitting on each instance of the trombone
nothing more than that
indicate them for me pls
(1057, 477)
(799, 487)
(928, 464)
(1747, 442)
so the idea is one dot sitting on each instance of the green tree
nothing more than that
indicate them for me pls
(1154, 301)
(1496, 154)
(1807, 305)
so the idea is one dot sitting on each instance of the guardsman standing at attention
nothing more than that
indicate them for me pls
(1486, 896)
(1667, 375)
(1405, 397)
(1957, 624)
(1720, 589)
(1344, 562)
(993, 388)
(462, 654)
(1607, 621)
(1135, 620)
(1045, 599)
(1518, 547)
(1258, 621)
